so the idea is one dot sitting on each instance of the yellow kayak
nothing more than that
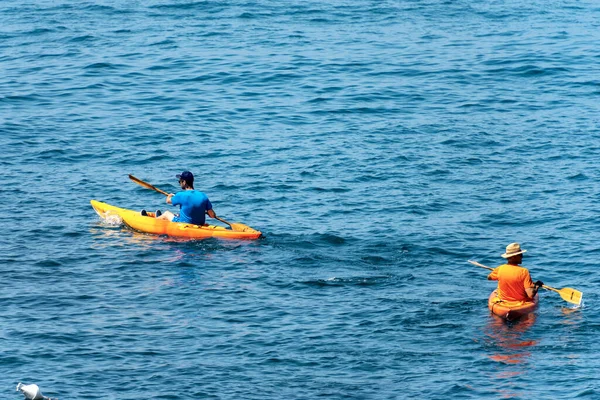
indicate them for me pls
(149, 224)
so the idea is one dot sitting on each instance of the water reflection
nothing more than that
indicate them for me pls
(121, 234)
(510, 346)
(572, 314)
(181, 248)
(508, 339)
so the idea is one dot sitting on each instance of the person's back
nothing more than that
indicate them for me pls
(194, 205)
(512, 282)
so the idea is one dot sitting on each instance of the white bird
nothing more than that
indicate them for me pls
(32, 392)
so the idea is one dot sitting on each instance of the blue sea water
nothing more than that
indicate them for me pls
(378, 145)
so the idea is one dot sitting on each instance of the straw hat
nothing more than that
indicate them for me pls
(513, 249)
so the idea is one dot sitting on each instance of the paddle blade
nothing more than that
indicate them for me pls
(571, 295)
(237, 227)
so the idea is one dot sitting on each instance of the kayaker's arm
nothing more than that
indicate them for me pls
(493, 276)
(169, 196)
(532, 291)
(211, 214)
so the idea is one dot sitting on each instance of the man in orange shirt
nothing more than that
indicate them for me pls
(514, 282)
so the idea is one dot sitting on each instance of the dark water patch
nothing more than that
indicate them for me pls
(101, 66)
(52, 154)
(320, 20)
(158, 67)
(438, 172)
(311, 241)
(203, 78)
(20, 98)
(101, 8)
(83, 38)
(247, 15)
(578, 177)
(167, 42)
(223, 34)
(97, 85)
(203, 5)
(73, 234)
(528, 71)
(329, 189)
(48, 263)
(39, 31)
(375, 260)
(327, 239)
(354, 281)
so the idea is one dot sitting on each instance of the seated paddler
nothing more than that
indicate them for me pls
(193, 204)
(514, 282)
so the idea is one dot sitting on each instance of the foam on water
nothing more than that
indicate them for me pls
(111, 219)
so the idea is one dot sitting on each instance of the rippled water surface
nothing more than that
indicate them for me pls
(377, 145)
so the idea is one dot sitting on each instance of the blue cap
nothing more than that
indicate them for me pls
(186, 176)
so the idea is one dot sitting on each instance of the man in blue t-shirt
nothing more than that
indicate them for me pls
(193, 203)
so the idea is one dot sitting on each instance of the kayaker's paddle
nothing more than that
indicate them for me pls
(568, 294)
(238, 227)
(147, 185)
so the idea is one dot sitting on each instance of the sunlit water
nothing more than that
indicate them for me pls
(377, 145)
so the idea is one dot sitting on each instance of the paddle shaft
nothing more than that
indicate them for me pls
(147, 185)
(480, 265)
(222, 220)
